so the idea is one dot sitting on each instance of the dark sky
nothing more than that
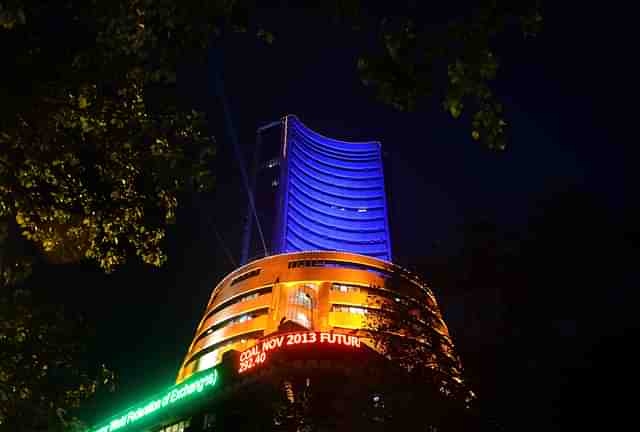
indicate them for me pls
(566, 99)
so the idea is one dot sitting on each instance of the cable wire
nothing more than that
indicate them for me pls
(224, 246)
(238, 153)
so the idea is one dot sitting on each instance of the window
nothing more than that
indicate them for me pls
(303, 319)
(220, 345)
(301, 303)
(273, 163)
(244, 317)
(397, 297)
(378, 401)
(209, 421)
(338, 264)
(245, 276)
(239, 299)
(378, 408)
(302, 299)
(248, 297)
(177, 427)
(345, 288)
(235, 320)
(349, 309)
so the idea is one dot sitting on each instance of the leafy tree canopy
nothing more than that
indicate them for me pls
(455, 61)
(92, 155)
(410, 330)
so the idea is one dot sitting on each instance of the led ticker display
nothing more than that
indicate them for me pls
(259, 353)
(187, 390)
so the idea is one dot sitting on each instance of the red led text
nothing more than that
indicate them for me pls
(257, 354)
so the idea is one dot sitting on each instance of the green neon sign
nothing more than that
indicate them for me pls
(187, 390)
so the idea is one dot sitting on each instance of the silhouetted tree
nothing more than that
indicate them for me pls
(43, 374)
(525, 307)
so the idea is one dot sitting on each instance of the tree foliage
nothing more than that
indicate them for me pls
(410, 331)
(455, 61)
(42, 377)
(525, 306)
(94, 152)
(375, 395)
(93, 155)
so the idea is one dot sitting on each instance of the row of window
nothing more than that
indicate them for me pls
(245, 276)
(338, 264)
(344, 288)
(240, 299)
(251, 296)
(221, 345)
(318, 263)
(359, 310)
(377, 291)
(301, 298)
(307, 263)
(336, 287)
(351, 289)
(235, 320)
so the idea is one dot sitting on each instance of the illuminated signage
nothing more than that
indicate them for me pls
(257, 354)
(185, 391)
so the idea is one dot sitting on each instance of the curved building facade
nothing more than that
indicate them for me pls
(320, 291)
(331, 195)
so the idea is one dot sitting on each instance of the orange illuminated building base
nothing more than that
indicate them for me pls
(330, 294)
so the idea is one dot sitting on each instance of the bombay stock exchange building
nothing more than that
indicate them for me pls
(299, 318)
(332, 195)
(331, 268)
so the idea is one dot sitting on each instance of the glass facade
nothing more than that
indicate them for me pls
(331, 195)
(301, 303)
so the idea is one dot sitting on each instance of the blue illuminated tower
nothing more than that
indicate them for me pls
(331, 195)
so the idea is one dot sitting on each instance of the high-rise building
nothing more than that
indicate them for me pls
(331, 195)
(305, 318)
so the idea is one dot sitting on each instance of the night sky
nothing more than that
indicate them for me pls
(567, 99)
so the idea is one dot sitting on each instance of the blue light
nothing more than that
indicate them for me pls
(332, 195)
